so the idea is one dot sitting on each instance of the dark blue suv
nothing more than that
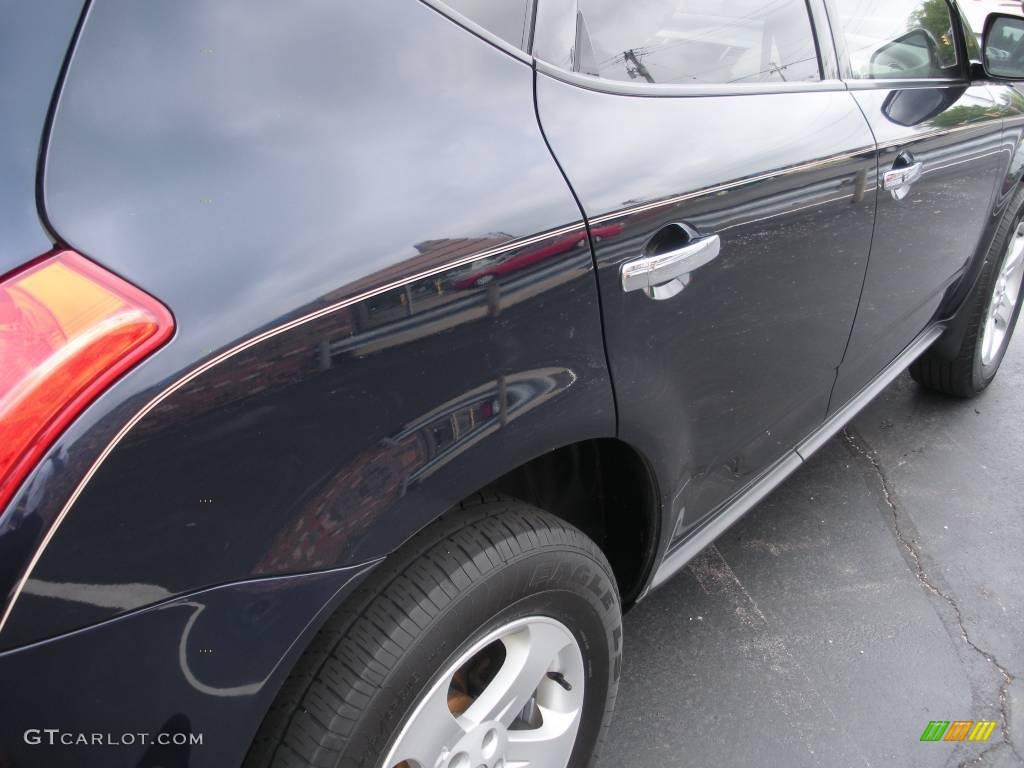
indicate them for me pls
(359, 362)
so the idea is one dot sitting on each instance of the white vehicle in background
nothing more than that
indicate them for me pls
(977, 10)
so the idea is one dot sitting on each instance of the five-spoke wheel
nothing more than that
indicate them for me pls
(513, 699)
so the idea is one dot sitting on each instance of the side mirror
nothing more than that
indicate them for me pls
(1003, 43)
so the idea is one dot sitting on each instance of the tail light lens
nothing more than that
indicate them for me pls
(68, 329)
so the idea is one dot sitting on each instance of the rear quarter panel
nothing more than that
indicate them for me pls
(306, 186)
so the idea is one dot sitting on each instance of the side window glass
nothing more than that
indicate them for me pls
(698, 41)
(508, 19)
(898, 39)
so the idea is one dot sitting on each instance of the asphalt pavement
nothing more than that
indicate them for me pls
(879, 588)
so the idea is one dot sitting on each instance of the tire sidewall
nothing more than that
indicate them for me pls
(568, 586)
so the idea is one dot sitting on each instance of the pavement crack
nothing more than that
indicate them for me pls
(861, 448)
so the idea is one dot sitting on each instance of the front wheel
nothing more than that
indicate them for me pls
(492, 639)
(993, 307)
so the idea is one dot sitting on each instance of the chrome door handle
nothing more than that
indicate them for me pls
(663, 275)
(898, 181)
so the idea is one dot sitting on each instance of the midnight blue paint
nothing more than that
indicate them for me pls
(359, 159)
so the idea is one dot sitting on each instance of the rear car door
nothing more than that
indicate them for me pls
(714, 138)
(940, 160)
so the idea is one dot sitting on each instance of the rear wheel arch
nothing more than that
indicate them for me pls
(378, 647)
(607, 489)
(604, 486)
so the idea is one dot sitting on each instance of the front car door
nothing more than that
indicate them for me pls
(940, 160)
(714, 135)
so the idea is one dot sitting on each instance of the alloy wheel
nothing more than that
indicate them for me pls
(1005, 295)
(514, 699)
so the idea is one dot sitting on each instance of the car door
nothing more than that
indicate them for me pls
(726, 176)
(940, 160)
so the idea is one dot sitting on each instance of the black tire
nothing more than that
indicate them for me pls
(486, 564)
(967, 374)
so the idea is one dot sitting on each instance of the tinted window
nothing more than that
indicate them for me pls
(698, 41)
(508, 19)
(898, 39)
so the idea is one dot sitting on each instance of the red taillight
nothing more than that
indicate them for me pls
(68, 329)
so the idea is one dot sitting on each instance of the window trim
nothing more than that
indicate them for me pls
(663, 90)
(825, 36)
(485, 34)
(870, 84)
(904, 85)
(817, 16)
(828, 61)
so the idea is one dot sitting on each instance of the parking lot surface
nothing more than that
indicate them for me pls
(881, 587)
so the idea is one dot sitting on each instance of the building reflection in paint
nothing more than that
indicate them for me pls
(355, 495)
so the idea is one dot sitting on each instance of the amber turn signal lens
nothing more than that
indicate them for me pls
(68, 330)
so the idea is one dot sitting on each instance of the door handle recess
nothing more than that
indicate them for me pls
(898, 181)
(664, 275)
